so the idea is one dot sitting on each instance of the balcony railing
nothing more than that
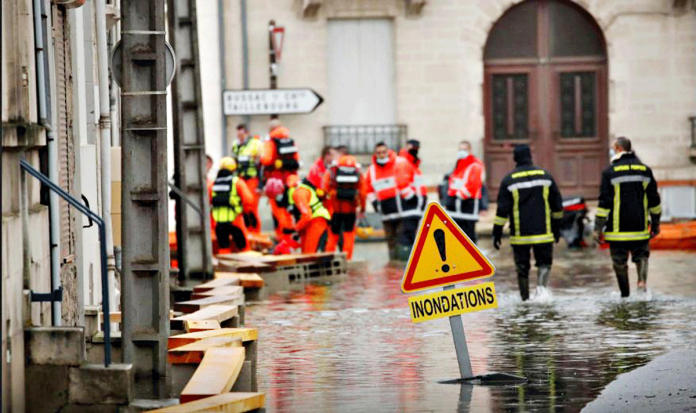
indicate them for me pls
(361, 139)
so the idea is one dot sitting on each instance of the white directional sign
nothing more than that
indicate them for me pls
(269, 101)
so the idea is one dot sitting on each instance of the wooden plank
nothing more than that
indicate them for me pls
(216, 374)
(224, 403)
(195, 305)
(193, 353)
(218, 313)
(251, 280)
(246, 280)
(231, 290)
(216, 283)
(246, 334)
(115, 317)
(193, 326)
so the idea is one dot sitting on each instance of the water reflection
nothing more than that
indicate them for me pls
(352, 347)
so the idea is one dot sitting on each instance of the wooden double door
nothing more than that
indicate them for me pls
(554, 101)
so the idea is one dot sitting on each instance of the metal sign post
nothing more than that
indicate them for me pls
(460, 344)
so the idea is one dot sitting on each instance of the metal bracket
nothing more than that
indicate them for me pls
(56, 295)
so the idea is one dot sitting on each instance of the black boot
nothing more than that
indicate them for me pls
(622, 277)
(523, 282)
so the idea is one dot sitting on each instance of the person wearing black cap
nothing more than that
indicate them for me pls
(530, 199)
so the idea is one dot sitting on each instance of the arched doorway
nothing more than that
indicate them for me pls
(546, 85)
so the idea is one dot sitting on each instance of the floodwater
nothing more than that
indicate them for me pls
(351, 346)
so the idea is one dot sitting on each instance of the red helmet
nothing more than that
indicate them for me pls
(348, 160)
(274, 187)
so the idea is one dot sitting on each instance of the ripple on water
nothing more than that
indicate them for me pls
(352, 347)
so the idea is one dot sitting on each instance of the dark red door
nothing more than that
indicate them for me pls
(546, 87)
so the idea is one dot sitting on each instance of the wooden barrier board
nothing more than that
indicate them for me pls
(216, 374)
(246, 334)
(195, 305)
(225, 403)
(219, 313)
(193, 353)
(231, 290)
(193, 326)
(216, 283)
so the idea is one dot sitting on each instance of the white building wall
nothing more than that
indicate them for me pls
(439, 71)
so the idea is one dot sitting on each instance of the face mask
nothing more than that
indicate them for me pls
(462, 154)
(413, 152)
(612, 153)
(382, 161)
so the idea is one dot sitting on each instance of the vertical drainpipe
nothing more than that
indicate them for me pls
(115, 132)
(44, 119)
(245, 54)
(223, 77)
(105, 149)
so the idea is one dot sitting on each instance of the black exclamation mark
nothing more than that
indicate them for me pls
(440, 241)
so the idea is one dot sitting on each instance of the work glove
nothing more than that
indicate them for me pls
(497, 236)
(599, 229)
(655, 227)
(599, 237)
(556, 229)
(375, 205)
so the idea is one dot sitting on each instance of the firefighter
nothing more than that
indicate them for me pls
(344, 184)
(231, 198)
(464, 190)
(529, 197)
(415, 196)
(280, 160)
(311, 217)
(247, 152)
(628, 214)
(386, 178)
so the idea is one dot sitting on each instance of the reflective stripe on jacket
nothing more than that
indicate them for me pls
(317, 207)
(392, 184)
(246, 155)
(628, 199)
(227, 204)
(529, 197)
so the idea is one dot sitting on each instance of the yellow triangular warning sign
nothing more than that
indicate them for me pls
(442, 254)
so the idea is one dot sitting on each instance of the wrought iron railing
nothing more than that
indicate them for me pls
(102, 249)
(361, 139)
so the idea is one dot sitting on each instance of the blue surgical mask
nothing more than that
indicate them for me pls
(612, 153)
(462, 154)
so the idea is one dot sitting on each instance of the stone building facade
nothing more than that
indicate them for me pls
(439, 91)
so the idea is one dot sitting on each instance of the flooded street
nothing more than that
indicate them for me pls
(351, 346)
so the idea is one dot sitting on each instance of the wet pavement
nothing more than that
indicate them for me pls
(351, 346)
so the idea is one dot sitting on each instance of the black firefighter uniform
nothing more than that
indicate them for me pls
(629, 206)
(530, 199)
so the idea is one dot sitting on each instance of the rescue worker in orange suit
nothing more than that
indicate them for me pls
(231, 198)
(275, 191)
(382, 181)
(414, 194)
(315, 177)
(530, 198)
(464, 190)
(346, 191)
(247, 152)
(311, 217)
(280, 160)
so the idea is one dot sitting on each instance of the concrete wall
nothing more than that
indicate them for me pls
(439, 71)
